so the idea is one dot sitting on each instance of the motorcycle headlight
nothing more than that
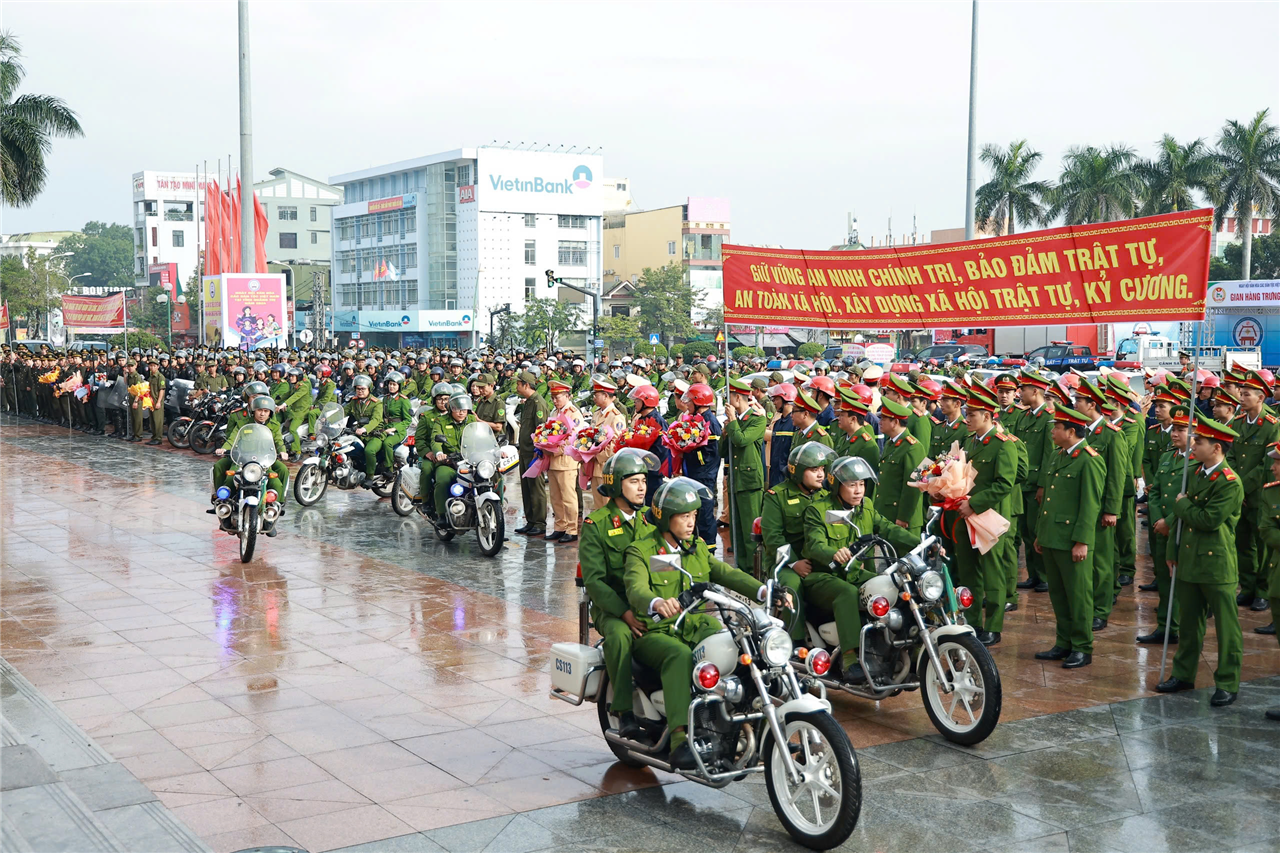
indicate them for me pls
(486, 469)
(775, 647)
(251, 472)
(931, 586)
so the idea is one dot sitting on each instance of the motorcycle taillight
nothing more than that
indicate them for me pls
(339, 458)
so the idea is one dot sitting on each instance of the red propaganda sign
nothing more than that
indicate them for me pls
(180, 316)
(1151, 269)
(384, 204)
(466, 194)
(93, 312)
(4, 316)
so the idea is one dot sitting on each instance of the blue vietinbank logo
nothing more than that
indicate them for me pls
(581, 179)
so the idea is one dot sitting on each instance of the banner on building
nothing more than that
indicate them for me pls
(180, 317)
(93, 312)
(254, 313)
(1150, 269)
(1244, 297)
(211, 310)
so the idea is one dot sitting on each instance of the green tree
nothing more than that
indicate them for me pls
(619, 332)
(739, 353)
(141, 340)
(1249, 156)
(547, 319)
(700, 349)
(103, 251)
(1010, 196)
(33, 288)
(1170, 181)
(809, 350)
(664, 302)
(1097, 185)
(28, 125)
(1264, 261)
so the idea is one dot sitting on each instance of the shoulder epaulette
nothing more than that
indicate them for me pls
(1129, 420)
(1229, 474)
(1114, 427)
(770, 492)
(1000, 435)
(1271, 418)
(1153, 426)
(1090, 450)
(935, 420)
(820, 430)
(1272, 483)
(587, 521)
(911, 439)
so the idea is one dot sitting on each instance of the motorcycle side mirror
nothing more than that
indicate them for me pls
(837, 516)
(934, 511)
(784, 555)
(665, 563)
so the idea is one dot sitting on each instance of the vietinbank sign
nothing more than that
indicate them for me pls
(412, 320)
(539, 182)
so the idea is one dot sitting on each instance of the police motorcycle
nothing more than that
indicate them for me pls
(751, 712)
(209, 432)
(336, 459)
(913, 637)
(196, 406)
(247, 505)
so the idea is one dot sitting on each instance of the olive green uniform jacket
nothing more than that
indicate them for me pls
(895, 500)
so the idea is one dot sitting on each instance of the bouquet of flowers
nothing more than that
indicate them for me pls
(685, 435)
(641, 436)
(50, 377)
(70, 385)
(548, 439)
(141, 394)
(585, 445)
(949, 481)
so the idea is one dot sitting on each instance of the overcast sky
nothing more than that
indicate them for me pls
(796, 113)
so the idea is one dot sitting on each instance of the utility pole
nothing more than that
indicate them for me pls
(970, 182)
(247, 254)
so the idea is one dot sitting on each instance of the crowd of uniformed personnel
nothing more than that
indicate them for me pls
(1072, 463)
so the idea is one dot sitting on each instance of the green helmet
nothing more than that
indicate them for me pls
(253, 389)
(849, 469)
(394, 376)
(627, 462)
(441, 389)
(262, 401)
(811, 454)
(675, 496)
(362, 381)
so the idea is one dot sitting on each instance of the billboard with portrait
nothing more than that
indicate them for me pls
(254, 310)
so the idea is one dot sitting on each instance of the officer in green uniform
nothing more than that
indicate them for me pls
(902, 454)
(995, 459)
(899, 389)
(280, 389)
(782, 522)
(365, 411)
(1162, 490)
(1065, 534)
(862, 443)
(1112, 446)
(1032, 426)
(158, 385)
(741, 442)
(804, 417)
(293, 409)
(446, 441)
(261, 408)
(1205, 554)
(1257, 430)
(606, 535)
(951, 427)
(1009, 541)
(1126, 531)
(397, 412)
(1269, 531)
(328, 393)
(490, 408)
(653, 593)
(833, 584)
(427, 420)
(534, 410)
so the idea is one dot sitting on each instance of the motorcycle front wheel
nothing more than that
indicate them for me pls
(178, 432)
(382, 486)
(822, 811)
(400, 502)
(248, 532)
(310, 485)
(200, 437)
(490, 528)
(969, 713)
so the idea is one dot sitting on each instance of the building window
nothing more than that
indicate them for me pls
(572, 221)
(313, 214)
(617, 251)
(411, 257)
(620, 188)
(179, 211)
(288, 240)
(573, 253)
(530, 220)
(287, 213)
(671, 247)
(530, 251)
(464, 176)
(315, 238)
(530, 289)
(179, 239)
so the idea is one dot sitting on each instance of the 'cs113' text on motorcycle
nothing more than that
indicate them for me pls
(751, 713)
(338, 460)
(913, 637)
(247, 504)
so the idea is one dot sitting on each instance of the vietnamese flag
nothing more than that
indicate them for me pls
(260, 226)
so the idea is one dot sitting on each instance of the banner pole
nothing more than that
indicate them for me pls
(1186, 470)
(734, 522)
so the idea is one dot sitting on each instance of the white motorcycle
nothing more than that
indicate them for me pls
(334, 461)
(751, 713)
(247, 504)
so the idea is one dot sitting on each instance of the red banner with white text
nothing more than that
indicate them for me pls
(1150, 269)
(93, 312)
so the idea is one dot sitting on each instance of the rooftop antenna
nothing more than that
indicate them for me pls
(890, 241)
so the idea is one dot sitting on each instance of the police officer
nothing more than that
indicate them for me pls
(448, 441)
(781, 431)
(397, 412)
(261, 408)
(1162, 489)
(741, 444)
(902, 454)
(293, 409)
(1257, 430)
(605, 414)
(157, 384)
(1112, 446)
(365, 411)
(1033, 426)
(490, 408)
(950, 428)
(534, 411)
(782, 522)
(805, 419)
(606, 535)
(1205, 554)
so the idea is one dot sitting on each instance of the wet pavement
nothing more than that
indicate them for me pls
(359, 681)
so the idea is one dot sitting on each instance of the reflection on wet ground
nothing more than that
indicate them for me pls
(360, 681)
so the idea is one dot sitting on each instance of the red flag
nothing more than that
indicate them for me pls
(212, 229)
(225, 222)
(235, 229)
(260, 227)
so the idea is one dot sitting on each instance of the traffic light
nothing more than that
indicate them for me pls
(552, 281)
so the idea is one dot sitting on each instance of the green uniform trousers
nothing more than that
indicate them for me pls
(986, 577)
(533, 494)
(444, 479)
(135, 416)
(1126, 540)
(673, 661)
(1071, 594)
(747, 507)
(1159, 547)
(372, 448)
(1251, 554)
(617, 659)
(840, 598)
(295, 424)
(1027, 532)
(278, 468)
(1009, 559)
(390, 443)
(1104, 571)
(791, 582)
(1197, 600)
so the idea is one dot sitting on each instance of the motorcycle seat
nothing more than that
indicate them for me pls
(827, 631)
(647, 679)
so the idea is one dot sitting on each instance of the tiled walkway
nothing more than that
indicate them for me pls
(359, 681)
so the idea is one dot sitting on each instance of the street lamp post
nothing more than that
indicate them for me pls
(288, 319)
(48, 314)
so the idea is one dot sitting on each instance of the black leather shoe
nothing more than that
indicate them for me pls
(1222, 698)
(1259, 605)
(1173, 685)
(682, 757)
(1055, 653)
(1156, 638)
(524, 529)
(554, 536)
(1273, 714)
(1148, 587)
(565, 540)
(154, 441)
(1041, 586)
(627, 726)
(988, 638)
(1010, 606)
(1099, 624)
(1126, 580)
(211, 511)
(1075, 660)
(1244, 598)
(1026, 584)
(271, 531)
(1266, 629)
(535, 531)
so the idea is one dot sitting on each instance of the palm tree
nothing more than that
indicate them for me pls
(1249, 155)
(1097, 185)
(1010, 196)
(28, 124)
(1170, 180)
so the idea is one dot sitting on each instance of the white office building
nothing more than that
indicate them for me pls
(425, 249)
(167, 210)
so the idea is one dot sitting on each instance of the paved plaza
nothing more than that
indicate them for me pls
(360, 685)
